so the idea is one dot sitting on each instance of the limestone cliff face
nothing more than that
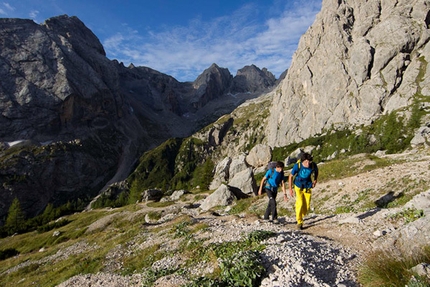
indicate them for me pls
(357, 61)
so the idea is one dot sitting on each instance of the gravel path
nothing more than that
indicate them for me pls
(291, 258)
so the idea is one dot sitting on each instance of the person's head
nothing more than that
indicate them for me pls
(279, 165)
(306, 159)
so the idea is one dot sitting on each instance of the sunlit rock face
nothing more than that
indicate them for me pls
(358, 60)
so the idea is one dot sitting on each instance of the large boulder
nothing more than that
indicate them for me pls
(410, 238)
(220, 197)
(152, 195)
(244, 181)
(238, 164)
(259, 155)
(422, 136)
(221, 174)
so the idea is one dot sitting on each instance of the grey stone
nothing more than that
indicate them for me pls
(152, 195)
(220, 197)
(244, 181)
(259, 155)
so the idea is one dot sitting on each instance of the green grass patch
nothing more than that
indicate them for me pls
(43, 273)
(343, 209)
(159, 204)
(245, 205)
(238, 262)
(383, 269)
(408, 215)
(141, 259)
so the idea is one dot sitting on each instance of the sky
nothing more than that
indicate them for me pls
(182, 38)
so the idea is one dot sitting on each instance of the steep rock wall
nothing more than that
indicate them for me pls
(358, 60)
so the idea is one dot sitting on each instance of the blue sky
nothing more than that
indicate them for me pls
(182, 38)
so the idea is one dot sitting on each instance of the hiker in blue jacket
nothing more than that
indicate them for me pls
(271, 180)
(303, 183)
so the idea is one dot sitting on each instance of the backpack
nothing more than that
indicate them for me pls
(271, 165)
(313, 167)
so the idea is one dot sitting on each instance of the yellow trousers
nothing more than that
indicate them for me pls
(303, 202)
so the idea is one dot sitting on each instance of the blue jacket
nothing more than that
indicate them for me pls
(274, 178)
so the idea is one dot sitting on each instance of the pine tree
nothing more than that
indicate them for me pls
(15, 220)
(48, 214)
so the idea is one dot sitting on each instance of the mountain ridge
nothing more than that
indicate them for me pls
(60, 91)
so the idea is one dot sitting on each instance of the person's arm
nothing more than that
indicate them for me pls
(260, 190)
(290, 184)
(283, 190)
(314, 183)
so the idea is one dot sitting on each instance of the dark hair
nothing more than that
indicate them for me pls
(306, 156)
(280, 164)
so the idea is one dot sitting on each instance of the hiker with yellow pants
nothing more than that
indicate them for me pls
(302, 173)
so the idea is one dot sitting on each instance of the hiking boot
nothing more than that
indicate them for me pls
(299, 226)
(266, 220)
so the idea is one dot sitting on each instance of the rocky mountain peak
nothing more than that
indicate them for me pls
(73, 29)
(221, 75)
(211, 84)
(251, 78)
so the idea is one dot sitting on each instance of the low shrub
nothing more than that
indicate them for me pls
(50, 226)
(7, 253)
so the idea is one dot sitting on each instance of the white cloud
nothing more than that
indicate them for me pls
(33, 14)
(231, 42)
(8, 6)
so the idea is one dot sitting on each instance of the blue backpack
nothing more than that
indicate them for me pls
(303, 178)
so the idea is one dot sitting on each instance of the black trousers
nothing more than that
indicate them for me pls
(271, 207)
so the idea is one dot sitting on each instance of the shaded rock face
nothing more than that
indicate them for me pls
(358, 60)
(57, 86)
(215, 82)
(41, 90)
(212, 83)
(252, 79)
(85, 119)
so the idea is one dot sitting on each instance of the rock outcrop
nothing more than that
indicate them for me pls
(357, 61)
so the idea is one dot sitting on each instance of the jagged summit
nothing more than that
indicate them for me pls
(252, 79)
